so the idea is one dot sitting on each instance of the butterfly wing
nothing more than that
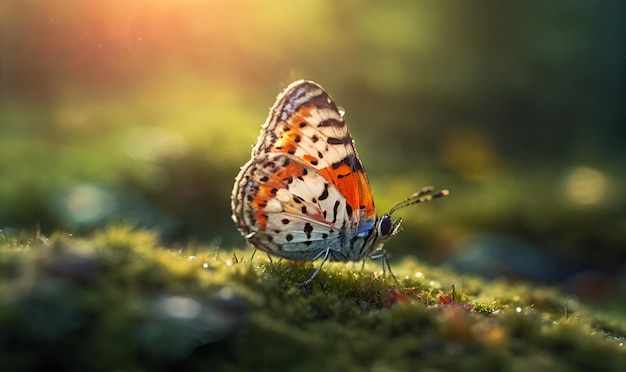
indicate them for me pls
(306, 123)
(305, 188)
(281, 212)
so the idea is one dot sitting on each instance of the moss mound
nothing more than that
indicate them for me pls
(119, 300)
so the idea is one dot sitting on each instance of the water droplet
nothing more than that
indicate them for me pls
(518, 309)
(341, 111)
(205, 265)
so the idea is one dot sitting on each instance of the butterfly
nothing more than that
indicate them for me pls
(304, 194)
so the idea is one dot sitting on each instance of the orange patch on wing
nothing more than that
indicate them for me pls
(288, 131)
(303, 113)
(288, 135)
(267, 190)
(286, 143)
(354, 187)
(309, 158)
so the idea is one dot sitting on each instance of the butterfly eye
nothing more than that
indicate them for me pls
(385, 225)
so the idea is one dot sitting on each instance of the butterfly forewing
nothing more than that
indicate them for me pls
(305, 122)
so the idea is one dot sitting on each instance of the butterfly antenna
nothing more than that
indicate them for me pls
(422, 196)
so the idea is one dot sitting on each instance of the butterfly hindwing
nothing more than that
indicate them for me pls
(290, 209)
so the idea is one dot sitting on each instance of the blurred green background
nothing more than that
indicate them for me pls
(143, 111)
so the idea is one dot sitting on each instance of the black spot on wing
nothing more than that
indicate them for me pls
(308, 229)
(335, 210)
(352, 161)
(339, 141)
(332, 123)
(324, 194)
(321, 101)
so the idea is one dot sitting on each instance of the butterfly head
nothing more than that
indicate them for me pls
(386, 227)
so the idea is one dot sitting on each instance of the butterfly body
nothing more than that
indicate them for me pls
(304, 193)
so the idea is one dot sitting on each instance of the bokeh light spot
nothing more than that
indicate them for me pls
(86, 204)
(585, 186)
(152, 144)
(470, 154)
(181, 307)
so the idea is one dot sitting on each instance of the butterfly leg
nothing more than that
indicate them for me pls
(385, 264)
(326, 255)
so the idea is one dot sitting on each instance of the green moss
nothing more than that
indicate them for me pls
(119, 300)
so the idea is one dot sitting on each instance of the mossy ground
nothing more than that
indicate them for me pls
(119, 300)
